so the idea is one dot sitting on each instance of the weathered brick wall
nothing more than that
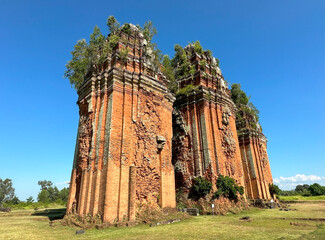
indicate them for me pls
(256, 165)
(208, 146)
(123, 150)
(127, 134)
(205, 139)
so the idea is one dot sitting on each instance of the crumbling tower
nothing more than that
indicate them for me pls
(255, 160)
(205, 137)
(123, 149)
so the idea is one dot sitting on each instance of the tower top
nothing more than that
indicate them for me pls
(129, 54)
(197, 67)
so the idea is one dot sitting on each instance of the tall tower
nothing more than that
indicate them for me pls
(123, 149)
(205, 139)
(256, 164)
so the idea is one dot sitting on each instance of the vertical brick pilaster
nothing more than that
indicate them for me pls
(72, 191)
(132, 193)
(82, 194)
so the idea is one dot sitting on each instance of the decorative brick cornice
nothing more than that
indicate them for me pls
(123, 76)
(206, 94)
(247, 136)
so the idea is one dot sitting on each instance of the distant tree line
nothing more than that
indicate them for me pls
(48, 194)
(303, 190)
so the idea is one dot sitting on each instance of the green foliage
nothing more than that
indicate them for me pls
(218, 62)
(113, 24)
(209, 53)
(30, 199)
(203, 64)
(304, 190)
(167, 70)
(192, 70)
(97, 49)
(33, 205)
(238, 96)
(124, 53)
(274, 189)
(90, 56)
(64, 194)
(7, 192)
(254, 111)
(14, 201)
(198, 48)
(112, 41)
(149, 31)
(316, 189)
(45, 184)
(252, 125)
(179, 57)
(251, 111)
(201, 187)
(50, 193)
(126, 28)
(240, 190)
(301, 188)
(78, 65)
(228, 188)
(288, 193)
(43, 196)
(300, 197)
(213, 72)
(186, 90)
(180, 62)
(157, 56)
(240, 121)
(209, 96)
(305, 193)
(242, 102)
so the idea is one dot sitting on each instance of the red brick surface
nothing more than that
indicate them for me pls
(118, 164)
(129, 142)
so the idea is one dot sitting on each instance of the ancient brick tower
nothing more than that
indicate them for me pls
(205, 139)
(256, 165)
(124, 149)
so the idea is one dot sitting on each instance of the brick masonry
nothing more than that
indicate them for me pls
(256, 165)
(133, 137)
(206, 138)
(205, 141)
(123, 150)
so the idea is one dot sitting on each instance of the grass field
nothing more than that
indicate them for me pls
(301, 198)
(265, 224)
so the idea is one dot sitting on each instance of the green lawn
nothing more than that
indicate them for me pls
(301, 198)
(266, 224)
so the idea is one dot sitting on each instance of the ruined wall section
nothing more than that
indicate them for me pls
(123, 149)
(205, 138)
(253, 147)
(257, 169)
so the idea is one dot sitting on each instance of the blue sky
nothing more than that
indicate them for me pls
(274, 49)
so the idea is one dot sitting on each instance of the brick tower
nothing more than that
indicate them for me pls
(256, 165)
(123, 150)
(205, 139)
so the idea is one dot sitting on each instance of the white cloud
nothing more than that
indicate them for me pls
(289, 183)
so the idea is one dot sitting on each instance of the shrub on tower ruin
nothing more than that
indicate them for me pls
(228, 188)
(201, 187)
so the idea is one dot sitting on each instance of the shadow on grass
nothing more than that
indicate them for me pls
(52, 214)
